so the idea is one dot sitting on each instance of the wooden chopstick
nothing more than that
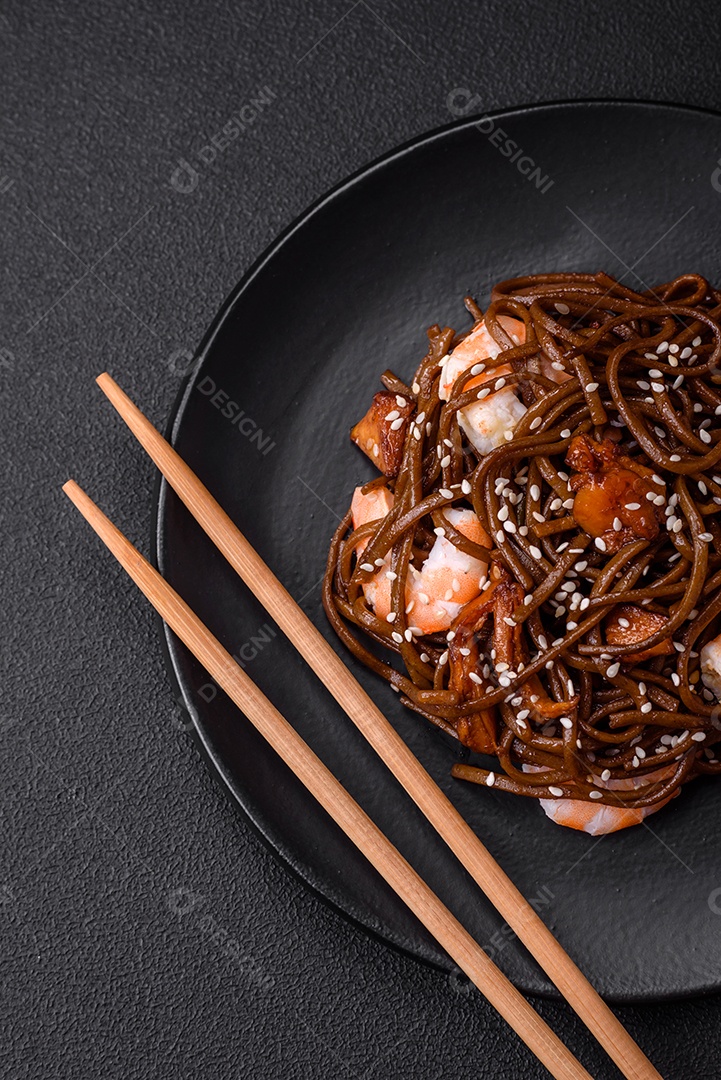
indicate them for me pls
(333, 797)
(384, 739)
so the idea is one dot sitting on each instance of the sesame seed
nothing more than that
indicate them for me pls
(617, 524)
(673, 348)
(642, 384)
(566, 433)
(557, 791)
(440, 531)
(400, 400)
(408, 634)
(477, 369)
(448, 595)
(646, 707)
(675, 457)
(613, 670)
(696, 342)
(678, 382)
(563, 309)
(600, 543)
(446, 493)
(443, 658)
(536, 423)
(566, 723)
(595, 794)
(685, 353)
(557, 366)
(416, 388)
(567, 505)
(581, 565)
(535, 551)
(465, 652)
(445, 462)
(483, 393)
(535, 491)
(556, 504)
(424, 657)
(393, 415)
(677, 526)
(368, 567)
(499, 384)
(429, 428)
(571, 625)
(707, 537)
(398, 638)
(475, 678)
(500, 537)
(538, 517)
(398, 424)
(624, 623)
(465, 487)
(528, 599)
(391, 616)
(698, 736)
(662, 348)
(416, 434)
(640, 752)
(503, 513)
(509, 526)
(704, 436)
(380, 562)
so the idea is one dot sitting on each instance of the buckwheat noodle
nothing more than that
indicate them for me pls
(645, 378)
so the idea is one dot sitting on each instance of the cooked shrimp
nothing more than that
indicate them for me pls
(448, 578)
(630, 625)
(474, 349)
(485, 422)
(612, 492)
(711, 665)
(596, 819)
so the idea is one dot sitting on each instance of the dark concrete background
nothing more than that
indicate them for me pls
(145, 931)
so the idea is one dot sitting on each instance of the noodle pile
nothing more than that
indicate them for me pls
(645, 384)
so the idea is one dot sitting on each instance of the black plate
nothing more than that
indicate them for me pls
(345, 293)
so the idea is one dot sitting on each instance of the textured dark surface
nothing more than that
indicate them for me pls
(145, 932)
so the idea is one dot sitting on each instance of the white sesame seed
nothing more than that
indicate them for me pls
(562, 309)
(408, 634)
(535, 551)
(698, 736)
(397, 424)
(704, 436)
(673, 348)
(657, 387)
(640, 752)
(443, 658)
(390, 575)
(633, 506)
(465, 487)
(398, 638)
(416, 388)
(499, 384)
(536, 423)
(535, 491)
(483, 393)
(446, 493)
(538, 517)
(391, 616)
(566, 433)
(440, 531)
(503, 513)
(571, 625)
(393, 415)
(424, 657)
(477, 369)
(416, 434)
(445, 462)
(617, 524)
(368, 567)
(707, 537)
(600, 543)
(509, 526)
(591, 387)
(475, 678)
(500, 537)
(646, 707)
(566, 723)
(675, 457)
(595, 794)
(613, 670)
(557, 791)
(696, 342)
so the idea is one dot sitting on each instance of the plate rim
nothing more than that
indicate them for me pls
(169, 643)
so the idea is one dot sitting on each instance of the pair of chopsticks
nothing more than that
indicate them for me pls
(360, 708)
